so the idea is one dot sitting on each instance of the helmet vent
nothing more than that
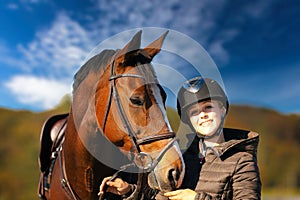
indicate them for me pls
(193, 85)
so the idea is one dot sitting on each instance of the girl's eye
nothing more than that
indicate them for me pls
(194, 112)
(209, 107)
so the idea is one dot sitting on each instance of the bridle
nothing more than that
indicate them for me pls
(114, 94)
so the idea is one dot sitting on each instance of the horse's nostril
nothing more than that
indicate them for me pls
(173, 177)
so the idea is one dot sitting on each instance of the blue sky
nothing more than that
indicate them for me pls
(255, 44)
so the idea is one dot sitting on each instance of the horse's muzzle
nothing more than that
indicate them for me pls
(169, 172)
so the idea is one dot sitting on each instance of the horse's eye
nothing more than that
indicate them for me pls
(137, 101)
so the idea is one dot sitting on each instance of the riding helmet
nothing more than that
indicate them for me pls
(196, 90)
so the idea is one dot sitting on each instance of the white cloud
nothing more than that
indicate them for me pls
(190, 17)
(41, 92)
(196, 19)
(27, 4)
(12, 6)
(8, 58)
(58, 50)
(216, 47)
(55, 54)
(257, 9)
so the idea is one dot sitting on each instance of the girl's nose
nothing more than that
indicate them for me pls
(203, 115)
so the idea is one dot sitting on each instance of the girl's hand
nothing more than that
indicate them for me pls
(184, 194)
(116, 186)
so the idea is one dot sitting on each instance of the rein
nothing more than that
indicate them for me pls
(114, 94)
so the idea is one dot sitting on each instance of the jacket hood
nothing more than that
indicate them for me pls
(235, 140)
(241, 140)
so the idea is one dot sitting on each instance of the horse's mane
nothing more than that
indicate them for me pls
(96, 63)
(100, 61)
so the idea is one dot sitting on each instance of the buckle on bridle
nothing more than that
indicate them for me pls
(144, 161)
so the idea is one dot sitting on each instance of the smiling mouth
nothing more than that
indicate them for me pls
(206, 123)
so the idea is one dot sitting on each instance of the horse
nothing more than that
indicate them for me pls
(117, 119)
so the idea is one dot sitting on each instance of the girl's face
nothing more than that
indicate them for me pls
(206, 116)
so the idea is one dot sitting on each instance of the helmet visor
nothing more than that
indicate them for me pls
(193, 85)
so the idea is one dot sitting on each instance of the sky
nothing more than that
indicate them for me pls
(254, 44)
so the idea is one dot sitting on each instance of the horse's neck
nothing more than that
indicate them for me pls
(87, 151)
(83, 170)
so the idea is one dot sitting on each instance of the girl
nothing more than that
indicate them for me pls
(221, 163)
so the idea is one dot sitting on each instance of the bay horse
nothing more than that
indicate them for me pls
(117, 119)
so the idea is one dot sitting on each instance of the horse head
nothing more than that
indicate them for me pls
(133, 116)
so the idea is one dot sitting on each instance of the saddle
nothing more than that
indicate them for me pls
(51, 135)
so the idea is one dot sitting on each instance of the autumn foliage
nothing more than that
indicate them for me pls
(278, 149)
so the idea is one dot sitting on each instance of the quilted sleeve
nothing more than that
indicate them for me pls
(246, 183)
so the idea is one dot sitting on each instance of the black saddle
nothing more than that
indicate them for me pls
(51, 135)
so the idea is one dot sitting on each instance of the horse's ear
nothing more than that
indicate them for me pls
(154, 48)
(134, 44)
